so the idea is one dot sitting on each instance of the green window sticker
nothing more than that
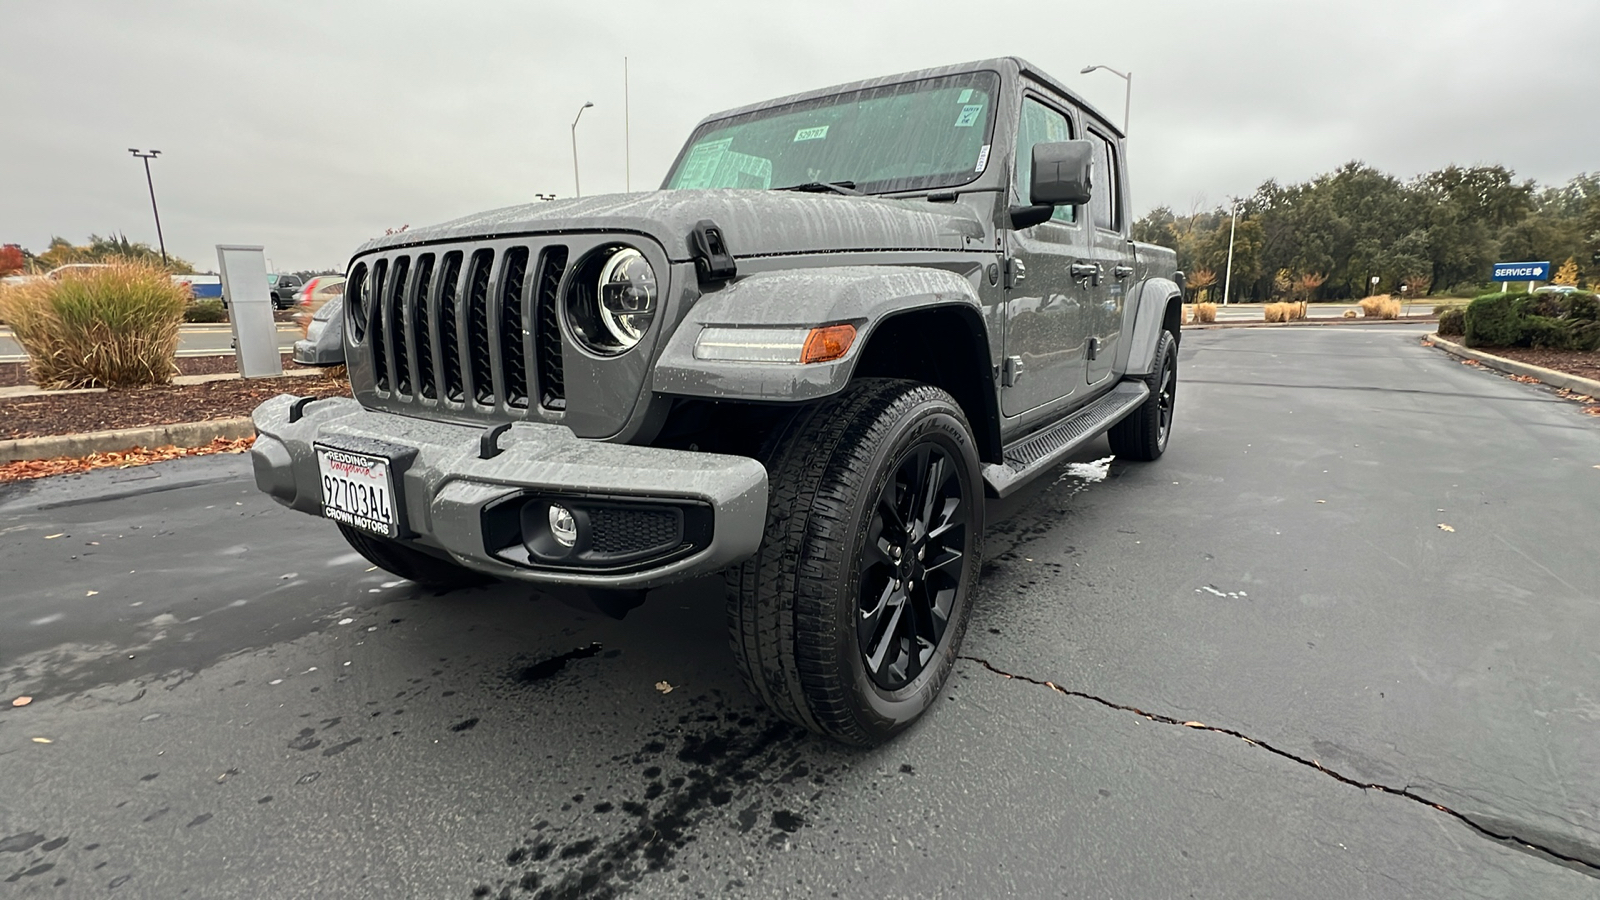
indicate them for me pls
(702, 163)
(965, 96)
(811, 134)
(969, 115)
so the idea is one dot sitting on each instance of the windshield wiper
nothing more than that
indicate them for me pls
(822, 187)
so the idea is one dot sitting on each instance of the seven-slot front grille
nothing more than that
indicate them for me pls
(472, 327)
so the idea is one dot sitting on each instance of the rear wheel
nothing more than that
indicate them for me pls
(1144, 434)
(409, 563)
(848, 619)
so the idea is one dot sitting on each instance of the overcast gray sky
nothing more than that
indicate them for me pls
(311, 126)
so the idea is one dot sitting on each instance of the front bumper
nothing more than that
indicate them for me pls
(447, 486)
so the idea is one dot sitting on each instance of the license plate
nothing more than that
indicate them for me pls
(358, 490)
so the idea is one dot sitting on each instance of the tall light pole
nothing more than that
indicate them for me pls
(1127, 94)
(147, 156)
(576, 190)
(1227, 280)
(627, 134)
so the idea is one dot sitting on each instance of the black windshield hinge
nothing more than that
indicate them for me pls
(712, 260)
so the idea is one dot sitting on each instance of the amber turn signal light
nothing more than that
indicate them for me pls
(828, 343)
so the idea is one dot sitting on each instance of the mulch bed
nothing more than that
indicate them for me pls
(47, 414)
(13, 374)
(1583, 363)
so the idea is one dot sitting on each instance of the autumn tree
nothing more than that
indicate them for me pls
(1567, 274)
(1306, 285)
(10, 259)
(1199, 284)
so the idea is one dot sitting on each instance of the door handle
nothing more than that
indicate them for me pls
(1090, 271)
(1122, 271)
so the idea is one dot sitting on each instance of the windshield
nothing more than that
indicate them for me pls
(915, 135)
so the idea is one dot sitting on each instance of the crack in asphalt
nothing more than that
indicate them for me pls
(1588, 867)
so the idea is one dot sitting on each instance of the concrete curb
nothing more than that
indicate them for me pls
(1317, 323)
(184, 434)
(29, 390)
(1511, 367)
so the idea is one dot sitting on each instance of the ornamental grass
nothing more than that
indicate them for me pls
(1380, 307)
(113, 327)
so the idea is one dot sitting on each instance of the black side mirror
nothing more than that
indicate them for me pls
(1063, 173)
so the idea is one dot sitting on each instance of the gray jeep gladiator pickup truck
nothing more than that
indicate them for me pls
(845, 319)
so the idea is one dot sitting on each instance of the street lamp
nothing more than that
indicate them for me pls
(147, 156)
(577, 191)
(1127, 95)
(1233, 225)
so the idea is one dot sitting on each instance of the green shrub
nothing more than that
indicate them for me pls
(1492, 321)
(205, 311)
(1546, 333)
(1546, 305)
(1583, 307)
(1453, 321)
(111, 327)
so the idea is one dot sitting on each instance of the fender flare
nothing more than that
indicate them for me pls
(863, 296)
(1155, 297)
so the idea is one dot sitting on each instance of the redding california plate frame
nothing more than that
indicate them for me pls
(359, 453)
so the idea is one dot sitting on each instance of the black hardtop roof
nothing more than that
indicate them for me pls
(1004, 64)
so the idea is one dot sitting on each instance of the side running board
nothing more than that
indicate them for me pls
(1041, 451)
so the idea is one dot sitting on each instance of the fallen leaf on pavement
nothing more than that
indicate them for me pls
(1322, 501)
(1526, 379)
(663, 687)
(91, 593)
(1470, 362)
(22, 701)
(1591, 410)
(1444, 527)
(138, 456)
(51, 537)
(1194, 724)
(43, 741)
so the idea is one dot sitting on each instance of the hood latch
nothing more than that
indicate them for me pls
(712, 260)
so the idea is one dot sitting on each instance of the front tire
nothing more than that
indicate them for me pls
(409, 563)
(1143, 435)
(848, 619)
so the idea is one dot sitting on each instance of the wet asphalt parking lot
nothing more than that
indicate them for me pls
(1256, 668)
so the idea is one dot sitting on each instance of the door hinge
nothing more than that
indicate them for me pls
(1011, 371)
(1016, 272)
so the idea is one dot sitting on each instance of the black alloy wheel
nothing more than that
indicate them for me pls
(1144, 433)
(916, 555)
(848, 619)
(1165, 399)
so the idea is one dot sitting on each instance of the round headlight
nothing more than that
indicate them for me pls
(627, 295)
(360, 297)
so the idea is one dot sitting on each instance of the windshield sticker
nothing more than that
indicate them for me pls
(969, 115)
(811, 134)
(702, 163)
(983, 158)
(965, 96)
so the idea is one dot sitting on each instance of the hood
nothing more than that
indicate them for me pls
(754, 223)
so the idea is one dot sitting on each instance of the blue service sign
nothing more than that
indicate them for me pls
(1522, 271)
